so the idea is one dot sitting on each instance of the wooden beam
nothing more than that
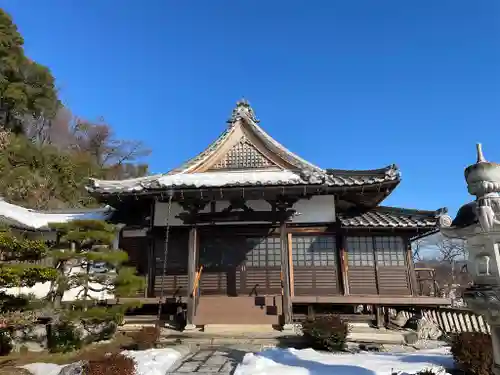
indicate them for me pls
(379, 316)
(192, 263)
(374, 300)
(377, 281)
(150, 274)
(285, 269)
(410, 267)
(232, 216)
(343, 266)
(310, 230)
(290, 260)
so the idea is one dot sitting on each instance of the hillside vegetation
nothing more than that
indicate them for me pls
(47, 153)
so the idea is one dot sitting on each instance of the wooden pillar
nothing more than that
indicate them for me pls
(343, 265)
(285, 269)
(375, 262)
(290, 260)
(151, 266)
(192, 261)
(412, 277)
(379, 316)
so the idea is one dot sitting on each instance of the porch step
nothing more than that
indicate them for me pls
(224, 329)
(362, 334)
(238, 310)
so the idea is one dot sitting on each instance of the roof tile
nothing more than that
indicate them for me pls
(390, 217)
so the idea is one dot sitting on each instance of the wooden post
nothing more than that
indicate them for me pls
(285, 269)
(342, 259)
(379, 316)
(375, 262)
(290, 260)
(151, 261)
(192, 260)
(412, 279)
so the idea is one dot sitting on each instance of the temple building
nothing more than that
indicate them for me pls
(248, 232)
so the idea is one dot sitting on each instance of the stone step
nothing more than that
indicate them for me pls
(375, 335)
(238, 328)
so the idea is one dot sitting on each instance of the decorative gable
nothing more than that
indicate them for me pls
(243, 155)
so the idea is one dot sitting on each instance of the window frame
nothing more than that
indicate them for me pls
(314, 250)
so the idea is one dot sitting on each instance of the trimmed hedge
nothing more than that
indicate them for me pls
(326, 333)
(473, 352)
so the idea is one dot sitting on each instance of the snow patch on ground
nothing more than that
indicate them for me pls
(311, 362)
(153, 361)
(148, 362)
(43, 368)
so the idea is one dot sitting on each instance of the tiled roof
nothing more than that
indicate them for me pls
(297, 172)
(234, 179)
(391, 217)
(243, 112)
(341, 177)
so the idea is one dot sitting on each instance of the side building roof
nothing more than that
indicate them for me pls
(25, 218)
(384, 217)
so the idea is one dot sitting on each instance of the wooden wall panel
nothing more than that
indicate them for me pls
(213, 283)
(137, 249)
(176, 278)
(315, 265)
(261, 281)
(173, 285)
(362, 280)
(393, 281)
(320, 281)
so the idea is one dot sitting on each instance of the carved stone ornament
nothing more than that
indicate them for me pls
(478, 222)
(483, 298)
(483, 181)
(242, 110)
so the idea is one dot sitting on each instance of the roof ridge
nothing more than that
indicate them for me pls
(392, 168)
(195, 160)
(268, 138)
(415, 211)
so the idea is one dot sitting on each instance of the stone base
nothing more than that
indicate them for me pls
(288, 328)
(232, 329)
(496, 369)
(190, 328)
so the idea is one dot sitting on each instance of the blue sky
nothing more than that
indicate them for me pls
(345, 84)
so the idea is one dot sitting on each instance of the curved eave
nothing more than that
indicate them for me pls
(217, 180)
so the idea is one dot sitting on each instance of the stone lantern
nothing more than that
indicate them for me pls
(478, 223)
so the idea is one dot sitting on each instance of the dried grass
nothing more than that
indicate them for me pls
(93, 351)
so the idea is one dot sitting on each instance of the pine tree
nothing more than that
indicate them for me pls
(85, 246)
(26, 87)
(17, 269)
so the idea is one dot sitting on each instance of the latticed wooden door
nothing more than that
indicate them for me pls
(220, 258)
(314, 260)
(361, 265)
(260, 273)
(392, 267)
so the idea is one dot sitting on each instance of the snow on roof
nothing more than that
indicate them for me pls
(216, 179)
(200, 180)
(242, 178)
(18, 216)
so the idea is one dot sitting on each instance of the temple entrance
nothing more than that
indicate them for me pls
(239, 265)
(222, 259)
